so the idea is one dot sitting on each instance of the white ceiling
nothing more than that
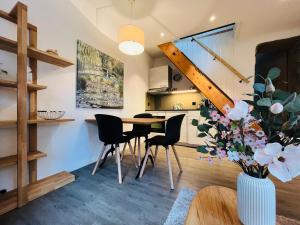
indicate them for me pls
(178, 18)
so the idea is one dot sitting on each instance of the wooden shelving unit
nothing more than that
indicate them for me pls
(28, 187)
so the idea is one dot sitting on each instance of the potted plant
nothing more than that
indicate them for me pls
(262, 137)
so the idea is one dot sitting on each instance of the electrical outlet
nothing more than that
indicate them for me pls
(193, 103)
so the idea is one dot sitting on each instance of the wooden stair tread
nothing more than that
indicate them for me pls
(8, 123)
(12, 159)
(11, 46)
(8, 201)
(13, 84)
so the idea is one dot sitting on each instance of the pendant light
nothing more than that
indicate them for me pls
(131, 38)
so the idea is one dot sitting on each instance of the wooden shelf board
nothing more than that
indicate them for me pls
(8, 201)
(39, 121)
(13, 84)
(9, 123)
(12, 160)
(11, 46)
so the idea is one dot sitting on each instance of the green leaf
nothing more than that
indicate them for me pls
(202, 149)
(274, 73)
(202, 135)
(221, 144)
(280, 94)
(293, 106)
(195, 122)
(204, 112)
(264, 102)
(259, 87)
(290, 99)
(204, 127)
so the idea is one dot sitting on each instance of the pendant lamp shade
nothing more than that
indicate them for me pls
(131, 40)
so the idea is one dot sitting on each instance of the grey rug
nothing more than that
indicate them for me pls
(180, 207)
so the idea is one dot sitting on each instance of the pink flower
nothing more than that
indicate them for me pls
(249, 140)
(215, 115)
(224, 121)
(240, 111)
(282, 164)
(226, 108)
(260, 133)
(276, 108)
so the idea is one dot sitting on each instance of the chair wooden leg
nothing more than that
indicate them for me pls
(98, 161)
(170, 168)
(123, 151)
(132, 154)
(145, 162)
(139, 151)
(155, 155)
(177, 158)
(119, 164)
(134, 147)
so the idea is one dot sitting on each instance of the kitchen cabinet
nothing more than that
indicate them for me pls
(192, 131)
(160, 77)
(189, 132)
(183, 132)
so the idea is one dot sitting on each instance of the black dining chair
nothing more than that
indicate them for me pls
(137, 132)
(110, 129)
(171, 137)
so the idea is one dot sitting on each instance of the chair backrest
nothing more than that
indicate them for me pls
(145, 129)
(110, 128)
(173, 129)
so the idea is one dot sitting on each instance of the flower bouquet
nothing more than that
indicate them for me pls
(262, 137)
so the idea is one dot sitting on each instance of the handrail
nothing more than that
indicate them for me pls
(221, 60)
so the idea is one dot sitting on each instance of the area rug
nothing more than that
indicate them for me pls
(181, 205)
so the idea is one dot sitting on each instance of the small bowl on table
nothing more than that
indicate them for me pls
(51, 115)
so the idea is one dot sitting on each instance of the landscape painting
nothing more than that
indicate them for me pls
(99, 79)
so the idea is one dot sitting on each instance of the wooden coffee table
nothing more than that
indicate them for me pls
(214, 205)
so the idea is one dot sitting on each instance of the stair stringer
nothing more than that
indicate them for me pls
(201, 81)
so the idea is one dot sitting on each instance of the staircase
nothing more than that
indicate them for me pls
(204, 84)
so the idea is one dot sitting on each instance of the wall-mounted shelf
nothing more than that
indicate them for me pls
(12, 160)
(35, 190)
(9, 123)
(13, 84)
(11, 46)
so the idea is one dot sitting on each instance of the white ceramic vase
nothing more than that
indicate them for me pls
(256, 200)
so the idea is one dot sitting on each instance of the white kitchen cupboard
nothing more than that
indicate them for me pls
(159, 77)
(183, 132)
(192, 131)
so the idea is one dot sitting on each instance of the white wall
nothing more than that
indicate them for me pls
(69, 145)
(238, 50)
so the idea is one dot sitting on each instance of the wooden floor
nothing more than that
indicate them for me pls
(99, 199)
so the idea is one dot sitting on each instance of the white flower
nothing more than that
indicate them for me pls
(282, 164)
(240, 110)
(276, 108)
(233, 156)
